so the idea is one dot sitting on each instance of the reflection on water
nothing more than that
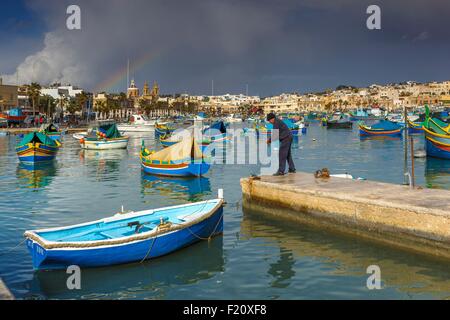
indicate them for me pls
(437, 173)
(105, 164)
(150, 279)
(190, 189)
(260, 259)
(338, 257)
(36, 176)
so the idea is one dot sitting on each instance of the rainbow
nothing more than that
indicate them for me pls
(120, 75)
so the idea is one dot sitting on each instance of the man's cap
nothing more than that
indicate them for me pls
(270, 116)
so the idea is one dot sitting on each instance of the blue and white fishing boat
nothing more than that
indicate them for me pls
(217, 132)
(126, 237)
(184, 159)
(51, 131)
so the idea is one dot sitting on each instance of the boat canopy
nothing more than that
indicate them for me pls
(49, 127)
(109, 129)
(187, 148)
(386, 125)
(219, 125)
(38, 137)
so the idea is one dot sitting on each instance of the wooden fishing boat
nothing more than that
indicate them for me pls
(125, 237)
(217, 132)
(168, 141)
(183, 159)
(382, 128)
(339, 121)
(36, 147)
(437, 138)
(163, 129)
(105, 136)
(51, 130)
(414, 127)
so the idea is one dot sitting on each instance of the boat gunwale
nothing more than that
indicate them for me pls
(379, 131)
(428, 131)
(50, 245)
(123, 138)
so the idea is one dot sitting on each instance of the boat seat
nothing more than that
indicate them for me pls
(106, 235)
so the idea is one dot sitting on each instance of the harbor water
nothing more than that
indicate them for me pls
(256, 258)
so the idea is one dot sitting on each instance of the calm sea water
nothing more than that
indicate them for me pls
(256, 258)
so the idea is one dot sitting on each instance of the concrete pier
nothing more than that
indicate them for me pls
(417, 220)
(4, 292)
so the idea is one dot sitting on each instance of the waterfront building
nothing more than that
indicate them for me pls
(133, 91)
(8, 96)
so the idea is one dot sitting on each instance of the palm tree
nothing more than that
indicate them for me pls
(34, 92)
(81, 99)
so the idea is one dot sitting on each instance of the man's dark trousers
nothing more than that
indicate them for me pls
(286, 154)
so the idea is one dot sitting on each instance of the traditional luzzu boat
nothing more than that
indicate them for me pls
(36, 147)
(105, 137)
(382, 128)
(51, 130)
(163, 129)
(126, 237)
(170, 140)
(437, 138)
(184, 159)
(415, 127)
(217, 132)
(339, 121)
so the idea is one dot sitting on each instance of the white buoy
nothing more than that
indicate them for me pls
(420, 154)
(220, 194)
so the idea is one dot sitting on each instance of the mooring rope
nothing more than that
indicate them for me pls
(149, 250)
(12, 249)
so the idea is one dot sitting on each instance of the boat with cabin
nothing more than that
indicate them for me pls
(137, 123)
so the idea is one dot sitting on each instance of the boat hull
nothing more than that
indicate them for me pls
(437, 145)
(49, 259)
(363, 131)
(163, 131)
(108, 144)
(39, 153)
(177, 170)
(137, 128)
(339, 125)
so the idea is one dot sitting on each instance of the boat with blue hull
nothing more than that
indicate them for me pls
(415, 127)
(36, 147)
(184, 159)
(217, 132)
(164, 129)
(51, 131)
(437, 138)
(125, 237)
(382, 128)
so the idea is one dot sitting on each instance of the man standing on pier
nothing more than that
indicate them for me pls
(285, 136)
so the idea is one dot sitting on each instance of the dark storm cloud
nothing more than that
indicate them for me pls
(274, 46)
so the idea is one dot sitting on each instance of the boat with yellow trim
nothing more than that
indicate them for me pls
(437, 137)
(105, 136)
(184, 159)
(36, 147)
(382, 128)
